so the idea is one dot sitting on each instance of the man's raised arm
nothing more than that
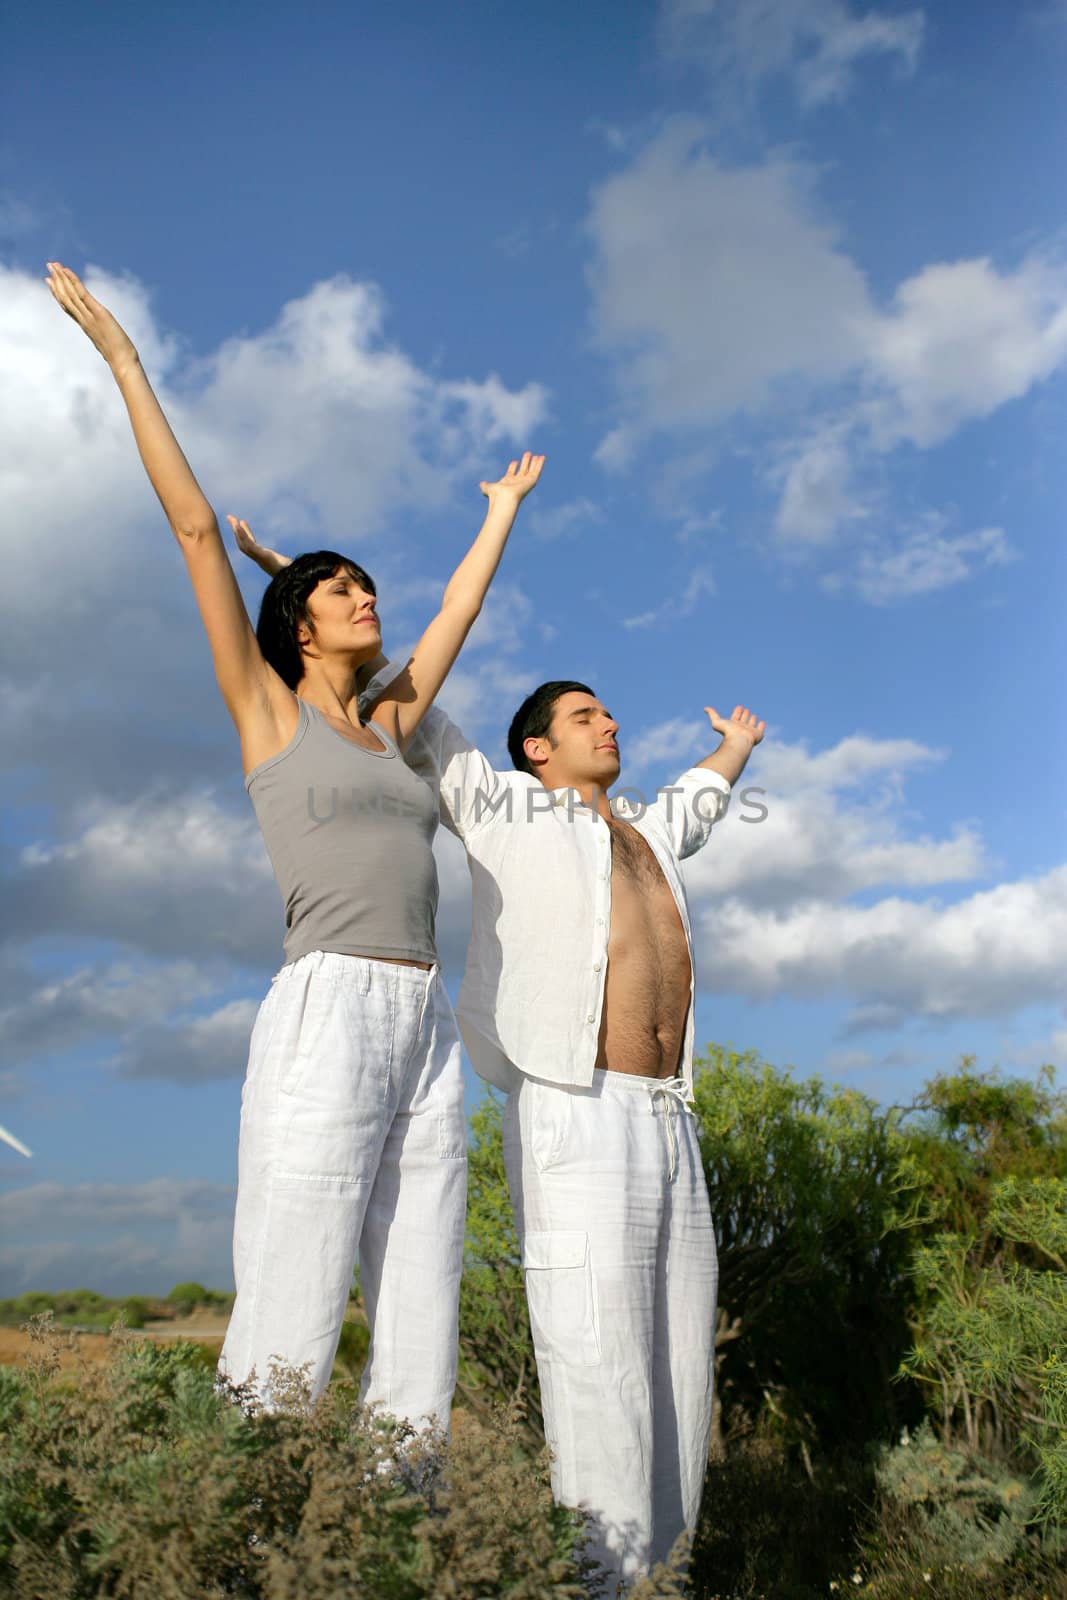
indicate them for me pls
(691, 806)
(740, 734)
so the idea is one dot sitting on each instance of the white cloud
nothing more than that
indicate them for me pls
(928, 560)
(667, 744)
(791, 768)
(194, 1049)
(70, 480)
(818, 44)
(817, 491)
(836, 825)
(503, 620)
(719, 292)
(714, 286)
(959, 340)
(496, 414)
(990, 954)
(775, 900)
(166, 874)
(566, 519)
(699, 585)
(482, 694)
(316, 419)
(93, 1003)
(122, 1238)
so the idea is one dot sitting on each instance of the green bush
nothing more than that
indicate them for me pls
(810, 1190)
(76, 1308)
(13, 1313)
(185, 1297)
(991, 1333)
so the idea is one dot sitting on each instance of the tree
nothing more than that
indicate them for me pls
(811, 1190)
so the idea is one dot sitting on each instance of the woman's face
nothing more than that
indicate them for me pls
(343, 618)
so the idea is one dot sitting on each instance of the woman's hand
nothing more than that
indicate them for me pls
(517, 481)
(270, 561)
(95, 320)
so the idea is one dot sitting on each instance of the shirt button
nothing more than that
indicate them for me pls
(590, 1019)
(600, 922)
(596, 966)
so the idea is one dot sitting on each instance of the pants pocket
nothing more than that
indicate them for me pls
(561, 1295)
(548, 1120)
(316, 1025)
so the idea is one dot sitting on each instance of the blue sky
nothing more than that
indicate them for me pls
(779, 287)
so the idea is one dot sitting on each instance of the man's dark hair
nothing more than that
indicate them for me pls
(284, 606)
(534, 717)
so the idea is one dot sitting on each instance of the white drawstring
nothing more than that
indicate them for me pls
(678, 1090)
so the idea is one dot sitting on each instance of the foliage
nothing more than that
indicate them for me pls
(352, 1348)
(186, 1298)
(991, 1332)
(874, 1263)
(969, 1130)
(950, 1522)
(810, 1190)
(142, 1480)
(768, 1528)
(495, 1346)
(963, 1508)
(79, 1308)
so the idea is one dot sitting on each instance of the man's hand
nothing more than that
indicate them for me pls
(741, 729)
(740, 735)
(517, 481)
(271, 561)
(95, 320)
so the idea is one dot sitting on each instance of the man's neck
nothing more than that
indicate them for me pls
(589, 794)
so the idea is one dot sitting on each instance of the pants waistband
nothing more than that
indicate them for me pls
(624, 1084)
(363, 972)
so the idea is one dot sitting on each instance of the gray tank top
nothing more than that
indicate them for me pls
(350, 834)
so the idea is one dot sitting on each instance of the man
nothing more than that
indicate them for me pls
(578, 1002)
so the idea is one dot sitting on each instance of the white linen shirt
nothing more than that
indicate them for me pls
(540, 863)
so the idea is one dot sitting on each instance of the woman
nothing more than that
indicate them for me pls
(352, 1130)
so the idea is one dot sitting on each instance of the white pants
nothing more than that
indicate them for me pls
(618, 1252)
(353, 1140)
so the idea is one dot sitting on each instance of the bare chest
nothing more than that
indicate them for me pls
(641, 898)
(647, 986)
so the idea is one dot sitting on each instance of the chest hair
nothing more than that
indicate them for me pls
(631, 856)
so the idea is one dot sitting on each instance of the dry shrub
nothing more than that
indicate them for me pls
(140, 1479)
(958, 1524)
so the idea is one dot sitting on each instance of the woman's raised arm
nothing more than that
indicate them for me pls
(409, 696)
(253, 692)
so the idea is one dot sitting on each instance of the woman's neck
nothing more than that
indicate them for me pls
(333, 689)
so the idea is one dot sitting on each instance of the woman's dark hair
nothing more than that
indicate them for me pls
(534, 717)
(284, 606)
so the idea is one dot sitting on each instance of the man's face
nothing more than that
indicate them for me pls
(582, 745)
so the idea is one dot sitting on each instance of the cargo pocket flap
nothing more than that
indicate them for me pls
(561, 1249)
